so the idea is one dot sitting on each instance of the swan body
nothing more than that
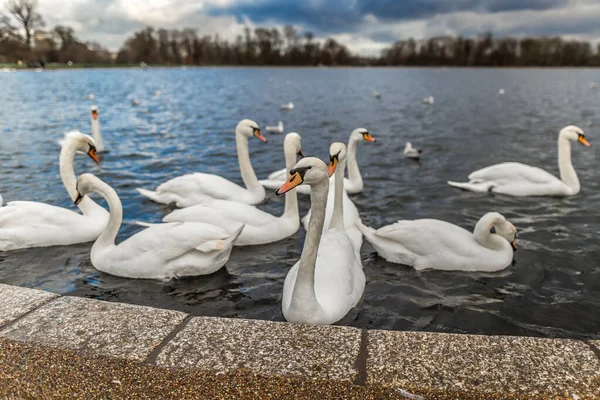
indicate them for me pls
(338, 198)
(411, 152)
(95, 119)
(353, 184)
(201, 188)
(428, 100)
(275, 129)
(435, 244)
(328, 281)
(260, 227)
(26, 224)
(161, 251)
(516, 179)
(287, 106)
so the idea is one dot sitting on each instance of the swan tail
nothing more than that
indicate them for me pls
(146, 224)
(478, 187)
(268, 184)
(158, 197)
(367, 231)
(222, 244)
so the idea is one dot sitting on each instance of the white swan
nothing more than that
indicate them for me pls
(162, 251)
(328, 280)
(516, 179)
(501, 91)
(287, 106)
(201, 188)
(353, 184)
(435, 244)
(260, 227)
(275, 129)
(411, 152)
(338, 198)
(25, 224)
(95, 118)
(428, 100)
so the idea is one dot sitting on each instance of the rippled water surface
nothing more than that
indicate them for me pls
(553, 288)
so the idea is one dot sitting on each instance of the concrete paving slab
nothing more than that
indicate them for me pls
(113, 329)
(268, 348)
(16, 301)
(495, 366)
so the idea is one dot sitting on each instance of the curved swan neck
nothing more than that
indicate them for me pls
(304, 289)
(96, 134)
(337, 219)
(484, 237)
(108, 236)
(291, 197)
(67, 175)
(565, 166)
(354, 175)
(248, 175)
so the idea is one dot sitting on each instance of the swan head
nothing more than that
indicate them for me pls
(94, 111)
(248, 128)
(361, 134)
(309, 170)
(85, 185)
(293, 141)
(83, 143)
(505, 229)
(337, 153)
(574, 133)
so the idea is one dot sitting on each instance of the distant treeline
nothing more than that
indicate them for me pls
(22, 38)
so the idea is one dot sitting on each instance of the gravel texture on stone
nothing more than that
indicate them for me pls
(114, 329)
(17, 301)
(513, 367)
(263, 347)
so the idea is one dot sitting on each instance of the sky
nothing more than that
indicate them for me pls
(365, 26)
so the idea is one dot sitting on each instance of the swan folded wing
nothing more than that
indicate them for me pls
(223, 213)
(31, 213)
(212, 185)
(512, 172)
(280, 175)
(170, 241)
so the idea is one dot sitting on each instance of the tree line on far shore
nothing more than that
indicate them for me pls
(22, 38)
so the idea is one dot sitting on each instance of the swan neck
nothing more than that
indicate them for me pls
(337, 219)
(565, 166)
(354, 175)
(304, 295)
(115, 208)
(484, 237)
(248, 175)
(291, 197)
(67, 175)
(96, 134)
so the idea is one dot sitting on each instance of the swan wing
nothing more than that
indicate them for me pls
(511, 173)
(279, 175)
(226, 214)
(35, 214)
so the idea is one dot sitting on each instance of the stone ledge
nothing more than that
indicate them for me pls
(66, 343)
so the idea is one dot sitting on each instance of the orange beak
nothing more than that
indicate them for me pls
(291, 183)
(584, 142)
(331, 166)
(93, 156)
(368, 137)
(514, 245)
(259, 135)
(94, 115)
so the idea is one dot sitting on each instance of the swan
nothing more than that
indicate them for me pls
(288, 106)
(275, 129)
(338, 200)
(25, 224)
(428, 100)
(261, 227)
(501, 91)
(328, 280)
(435, 244)
(95, 118)
(201, 188)
(411, 152)
(516, 179)
(377, 95)
(353, 184)
(162, 251)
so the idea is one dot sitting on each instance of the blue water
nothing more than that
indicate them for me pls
(553, 288)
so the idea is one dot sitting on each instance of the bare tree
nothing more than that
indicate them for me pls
(25, 13)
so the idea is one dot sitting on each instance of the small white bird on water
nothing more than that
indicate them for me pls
(411, 152)
(377, 95)
(288, 106)
(428, 100)
(501, 91)
(135, 102)
(89, 96)
(275, 129)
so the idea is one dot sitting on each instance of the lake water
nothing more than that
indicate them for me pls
(553, 288)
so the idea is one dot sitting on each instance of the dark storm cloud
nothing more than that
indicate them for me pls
(331, 16)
